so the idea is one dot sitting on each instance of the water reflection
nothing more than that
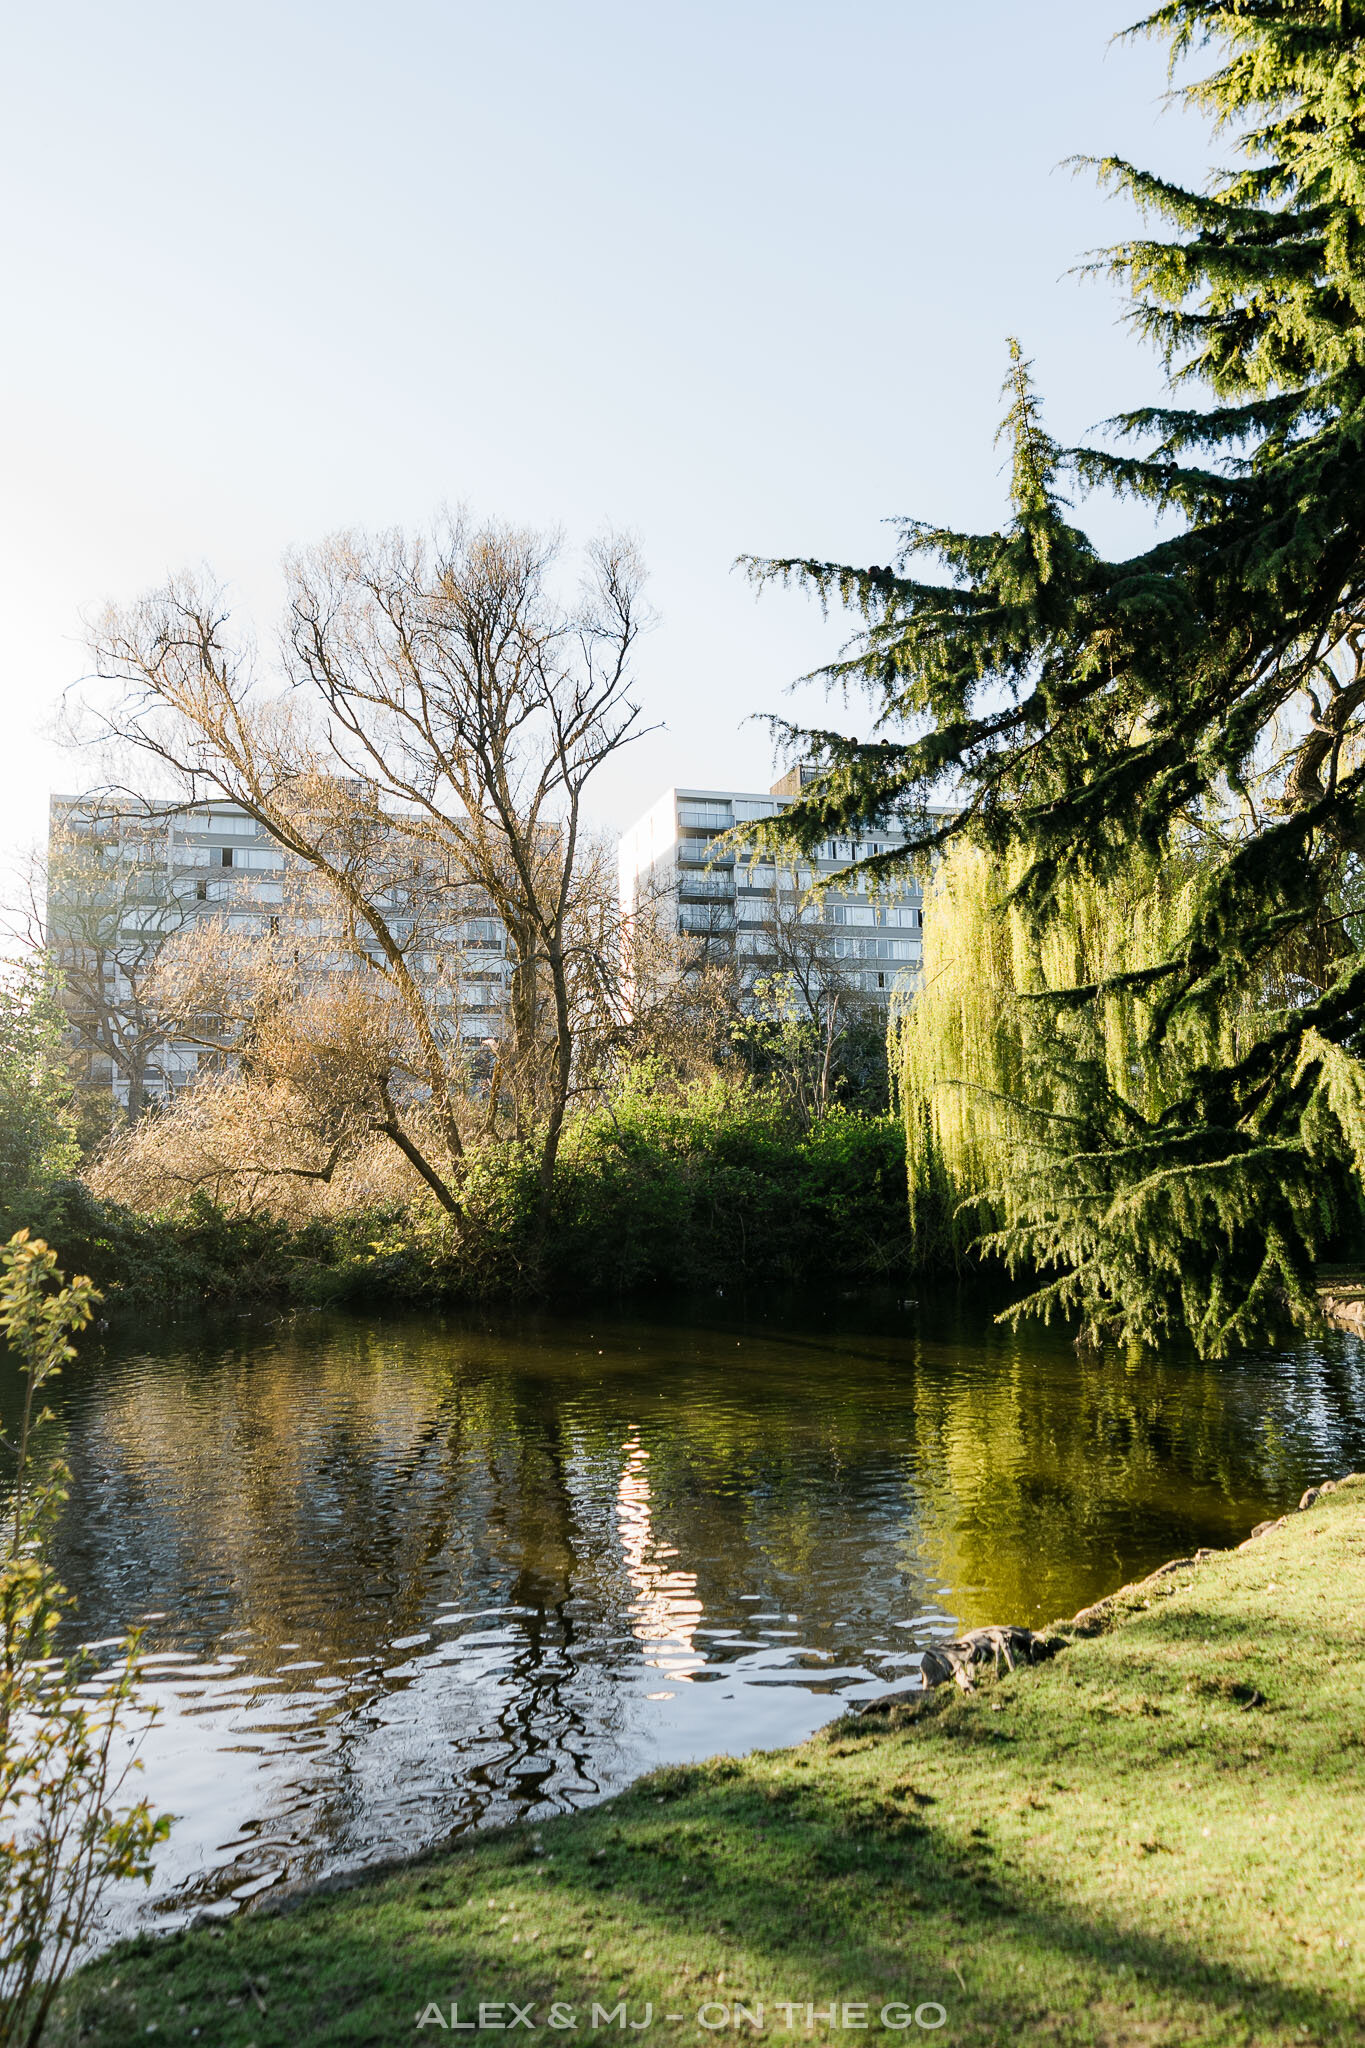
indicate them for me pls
(666, 1612)
(400, 1579)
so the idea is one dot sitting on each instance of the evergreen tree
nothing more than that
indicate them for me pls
(1036, 1098)
(1093, 714)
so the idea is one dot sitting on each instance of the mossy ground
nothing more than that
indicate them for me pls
(1156, 1838)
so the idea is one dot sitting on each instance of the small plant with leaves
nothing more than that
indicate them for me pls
(65, 1831)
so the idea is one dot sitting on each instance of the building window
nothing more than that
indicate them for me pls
(225, 856)
(201, 891)
(714, 817)
(218, 821)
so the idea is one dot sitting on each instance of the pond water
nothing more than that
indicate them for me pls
(403, 1578)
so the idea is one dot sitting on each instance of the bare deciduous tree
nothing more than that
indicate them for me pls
(438, 697)
(805, 999)
(314, 1069)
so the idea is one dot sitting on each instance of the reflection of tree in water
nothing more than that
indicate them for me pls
(273, 1476)
(1051, 1472)
(338, 1477)
(337, 1488)
(341, 1496)
(544, 1724)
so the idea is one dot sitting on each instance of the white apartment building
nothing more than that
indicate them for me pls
(125, 877)
(670, 861)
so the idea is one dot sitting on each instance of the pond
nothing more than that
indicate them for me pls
(403, 1578)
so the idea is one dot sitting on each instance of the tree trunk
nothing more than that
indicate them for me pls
(563, 1073)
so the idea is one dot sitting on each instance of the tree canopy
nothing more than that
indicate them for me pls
(1094, 715)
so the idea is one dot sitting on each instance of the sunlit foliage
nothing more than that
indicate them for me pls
(37, 1116)
(1045, 1111)
(1089, 714)
(66, 1831)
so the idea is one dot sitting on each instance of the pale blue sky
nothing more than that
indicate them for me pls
(737, 276)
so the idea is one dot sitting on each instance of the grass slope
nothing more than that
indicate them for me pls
(1156, 1838)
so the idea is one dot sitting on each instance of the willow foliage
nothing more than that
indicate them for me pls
(1090, 714)
(978, 1049)
(1045, 1111)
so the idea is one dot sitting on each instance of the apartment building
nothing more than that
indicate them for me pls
(671, 863)
(127, 876)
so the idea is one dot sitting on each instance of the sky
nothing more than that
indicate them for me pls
(735, 275)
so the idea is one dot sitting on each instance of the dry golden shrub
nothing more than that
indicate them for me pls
(253, 1147)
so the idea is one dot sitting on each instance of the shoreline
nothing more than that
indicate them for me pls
(1151, 1837)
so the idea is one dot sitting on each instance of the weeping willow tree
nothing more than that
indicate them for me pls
(1046, 1109)
(1088, 713)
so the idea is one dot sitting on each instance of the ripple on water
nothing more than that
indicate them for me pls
(399, 1580)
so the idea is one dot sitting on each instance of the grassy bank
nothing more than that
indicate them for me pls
(1153, 1839)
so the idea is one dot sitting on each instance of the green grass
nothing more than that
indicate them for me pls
(1155, 1838)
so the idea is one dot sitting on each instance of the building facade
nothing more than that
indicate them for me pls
(125, 878)
(735, 906)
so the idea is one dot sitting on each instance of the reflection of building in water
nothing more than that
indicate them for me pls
(666, 1610)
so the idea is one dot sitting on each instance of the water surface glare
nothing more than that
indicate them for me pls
(402, 1578)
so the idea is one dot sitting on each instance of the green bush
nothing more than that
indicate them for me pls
(714, 1185)
(37, 1118)
(172, 1260)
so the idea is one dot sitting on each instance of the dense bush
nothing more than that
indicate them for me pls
(203, 1251)
(711, 1185)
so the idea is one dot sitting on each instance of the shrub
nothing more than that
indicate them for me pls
(712, 1183)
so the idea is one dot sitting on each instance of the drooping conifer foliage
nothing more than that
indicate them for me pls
(1092, 716)
(1036, 1094)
